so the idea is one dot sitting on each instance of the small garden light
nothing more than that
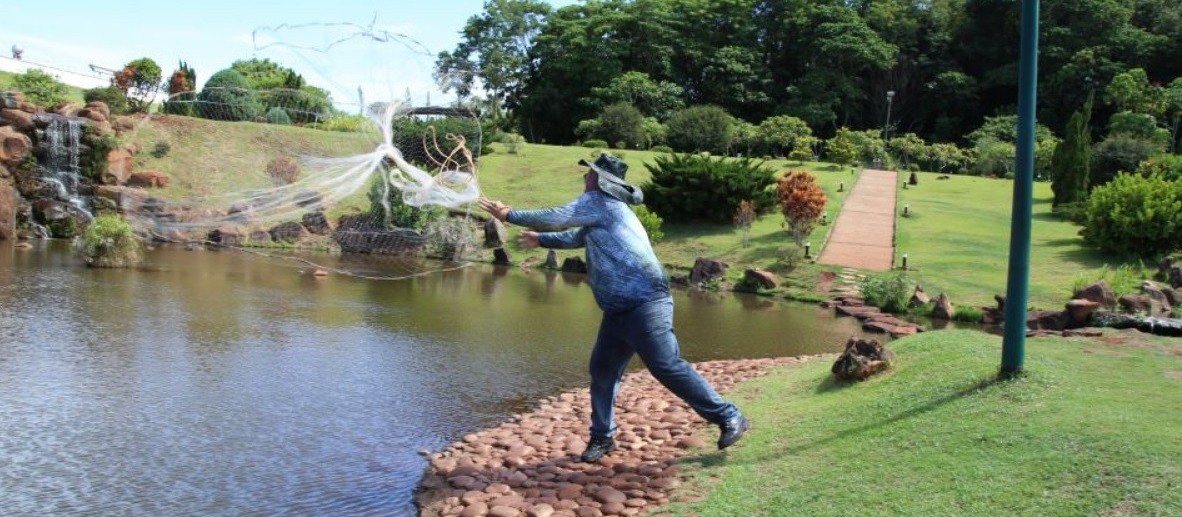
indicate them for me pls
(906, 209)
(807, 250)
(904, 262)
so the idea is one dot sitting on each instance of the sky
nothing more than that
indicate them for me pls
(384, 48)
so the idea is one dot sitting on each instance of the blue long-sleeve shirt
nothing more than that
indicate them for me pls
(621, 266)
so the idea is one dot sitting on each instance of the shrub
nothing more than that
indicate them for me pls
(595, 144)
(226, 96)
(113, 97)
(1072, 159)
(621, 123)
(1168, 166)
(1120, 152)
(966, 313)
(41, 88)
(394, 212)
(1135, 215)
(279, 116)
(415, 137)
(343, 123)
(650, 221)
(661, 149)
(161, 149)
(689, 187)
(744, 217)
(109, 241)
(887, 291)
(700, 128)
(802, 202)
(513, 142)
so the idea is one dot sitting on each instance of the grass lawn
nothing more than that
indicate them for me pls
(73, 93)
(958, 236)
(545, 175)
(1094, 428)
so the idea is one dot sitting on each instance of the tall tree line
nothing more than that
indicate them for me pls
(950, 63)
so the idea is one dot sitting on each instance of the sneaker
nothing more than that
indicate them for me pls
(732, 430)
(597, 448)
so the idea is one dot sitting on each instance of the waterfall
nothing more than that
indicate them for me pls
(63, 136)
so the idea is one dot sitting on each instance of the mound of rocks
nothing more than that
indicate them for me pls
(529, 466)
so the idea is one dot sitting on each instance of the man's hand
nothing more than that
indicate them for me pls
(528, 240)
(495, 208)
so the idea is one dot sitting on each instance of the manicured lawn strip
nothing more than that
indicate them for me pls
(958, 236)
(1092, 429)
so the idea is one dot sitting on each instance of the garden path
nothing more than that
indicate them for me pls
(863, 236)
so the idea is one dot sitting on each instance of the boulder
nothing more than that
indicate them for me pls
(1046, 320)
(20, 120)
(551, 260)
(1099, 292)
(495, 235)
(288, 232)
(260, 237)
(8, 200)
(14, 147)
(317, 223)
(763, 279)
(11, 99)
(1157, 292)
(68, 109)
(501, 257)
(861, 359)
(944, 308)
(919, 298)
(124, 123)
(94, 115)
(100, 107)
(118, 167)
(1136, 304)
(228, 235)
(705, 270)
(574, 265)
(125, 198)
(148, 179)
(1079, 312)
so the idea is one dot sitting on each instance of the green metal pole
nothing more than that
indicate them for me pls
(1013, 349)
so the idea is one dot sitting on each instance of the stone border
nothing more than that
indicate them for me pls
(529, 466)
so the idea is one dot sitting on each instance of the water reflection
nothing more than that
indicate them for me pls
(219, 382)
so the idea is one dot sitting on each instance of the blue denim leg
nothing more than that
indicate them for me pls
(609, 360)
(648, 331)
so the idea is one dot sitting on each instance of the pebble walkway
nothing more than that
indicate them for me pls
(529, 466)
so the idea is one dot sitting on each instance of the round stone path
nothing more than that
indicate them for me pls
(529, 466)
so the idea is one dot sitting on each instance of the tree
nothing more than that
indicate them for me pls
(227, 96)
(494, 48)
(802, 202)
(910, 147)
(1131, 91)
(1071, 164)
(804, 149)
(842, 149)
(40, 88)
(140, 81)
(700, 128)
(622, 123)
(182, 93)
(652, 98)
(744, 216)
(780, 133)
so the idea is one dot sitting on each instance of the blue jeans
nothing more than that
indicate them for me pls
(646, 331)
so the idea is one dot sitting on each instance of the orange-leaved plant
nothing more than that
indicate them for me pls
(802, 202)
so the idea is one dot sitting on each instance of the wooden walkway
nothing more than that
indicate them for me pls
(863, 236)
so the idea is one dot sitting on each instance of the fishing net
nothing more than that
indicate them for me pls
(329, 160)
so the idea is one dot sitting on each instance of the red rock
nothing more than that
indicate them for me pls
(503, 511)
(540, 510)
(610, 495)
(612, 508)
(475, 510)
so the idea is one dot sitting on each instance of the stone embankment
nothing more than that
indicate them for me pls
(529, 466)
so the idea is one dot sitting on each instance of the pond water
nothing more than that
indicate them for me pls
(221, 382)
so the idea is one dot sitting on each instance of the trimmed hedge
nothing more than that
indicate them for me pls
(690, 187)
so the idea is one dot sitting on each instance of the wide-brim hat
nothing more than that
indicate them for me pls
(611, 172)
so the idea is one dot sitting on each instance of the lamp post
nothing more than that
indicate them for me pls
(887, 126)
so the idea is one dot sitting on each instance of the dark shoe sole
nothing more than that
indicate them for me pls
(743, 428)
(597, 456)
